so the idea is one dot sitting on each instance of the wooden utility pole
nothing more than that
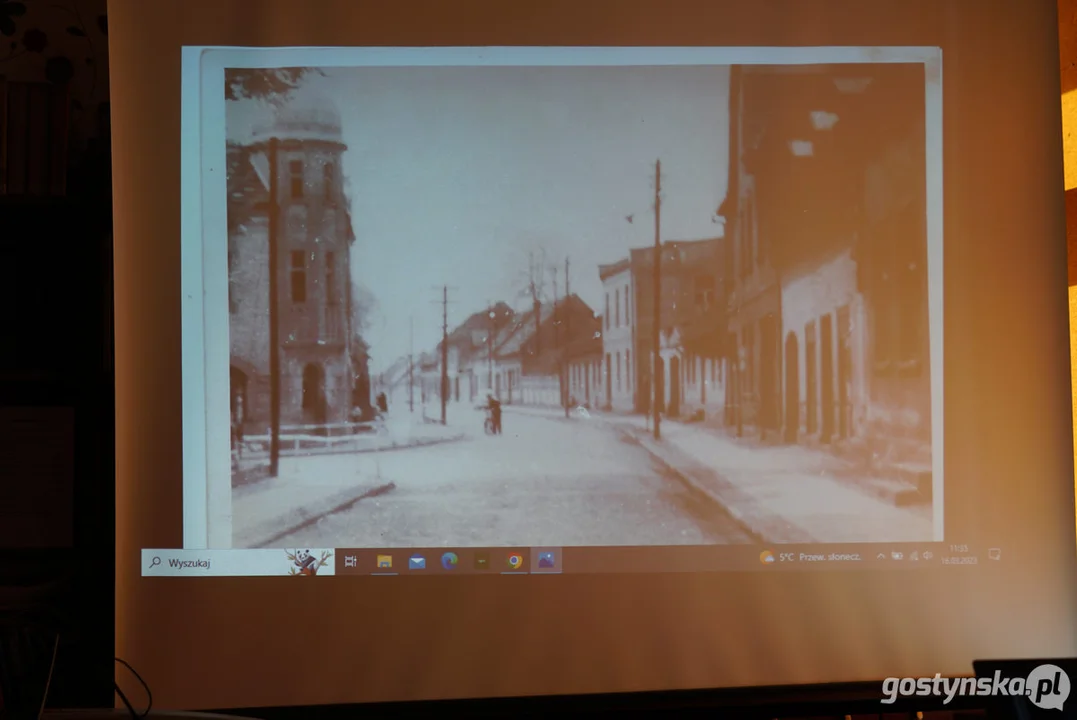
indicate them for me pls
(657, 331)
(557, 343)
(274, 310)
(444, 351)
(411, 364)
(490, 348)
(568, 341)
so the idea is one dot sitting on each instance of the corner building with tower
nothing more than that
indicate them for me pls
(313, 261)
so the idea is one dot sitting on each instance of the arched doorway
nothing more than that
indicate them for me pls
(314, 404)
(826, 370)
(674, 386)
(792, 388)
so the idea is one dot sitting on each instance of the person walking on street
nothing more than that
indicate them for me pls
(493, 406)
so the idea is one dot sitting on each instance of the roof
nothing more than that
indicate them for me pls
(584, 347)
(645, 256)
(396, 372)
(481, 320)
(612, 269)
(307, 115)
(522, 329)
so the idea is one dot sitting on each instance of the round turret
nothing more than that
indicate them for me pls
(305, 116)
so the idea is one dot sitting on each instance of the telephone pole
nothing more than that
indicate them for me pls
(411, 364)
(568, 341)
(444, 350)
(274, 311)
(657, 359)
(490, 348)
(557, 342)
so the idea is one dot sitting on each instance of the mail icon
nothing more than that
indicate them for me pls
(385, 561)
(416, 562)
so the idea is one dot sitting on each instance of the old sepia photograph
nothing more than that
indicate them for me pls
(482, 306)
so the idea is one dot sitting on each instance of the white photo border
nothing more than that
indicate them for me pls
(207, 473)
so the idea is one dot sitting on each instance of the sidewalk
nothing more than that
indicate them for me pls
(781, 494)
(307, 489)
(786, 494)
(315, 483)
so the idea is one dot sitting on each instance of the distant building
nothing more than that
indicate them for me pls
(472, 366)
(618, 336)
(531, 355)
(691, 337)
(428, 377)
(313, 270)
(583, 359)
(393, 381)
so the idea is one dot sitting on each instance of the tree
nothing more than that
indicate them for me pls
(364, 306)
(273, 85)
(534, 286)
(362, 311)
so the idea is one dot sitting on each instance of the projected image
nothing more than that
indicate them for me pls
(572, 306)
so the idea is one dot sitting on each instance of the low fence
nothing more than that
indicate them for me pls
(305, 439)
(537, 392)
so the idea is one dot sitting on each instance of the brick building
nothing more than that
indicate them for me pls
(313, 271)
(691, 368)
(826, 212)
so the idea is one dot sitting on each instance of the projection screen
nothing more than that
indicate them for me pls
(586, 348)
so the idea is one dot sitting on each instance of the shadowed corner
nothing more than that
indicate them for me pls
(1071, 234)
(1067, 41)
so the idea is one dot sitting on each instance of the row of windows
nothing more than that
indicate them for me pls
(298, 271)
(691, 374)
(703, 290)
(297, 180)
(614, 320)
(299, 277)
(694, 369)
(618, 367)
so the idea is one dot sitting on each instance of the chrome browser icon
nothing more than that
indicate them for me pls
(449, 561)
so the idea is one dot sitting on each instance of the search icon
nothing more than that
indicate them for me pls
(156, 562)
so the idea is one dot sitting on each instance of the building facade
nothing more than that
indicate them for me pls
(585, 360)
(691, 331)
(618, 372)
(313, 271)
(473, 365)
(754, 295)
(531, 353)
(828, 304)
(891, 256)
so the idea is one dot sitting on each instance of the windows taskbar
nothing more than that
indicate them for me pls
(557, 560)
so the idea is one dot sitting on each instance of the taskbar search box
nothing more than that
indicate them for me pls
(238, 562)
